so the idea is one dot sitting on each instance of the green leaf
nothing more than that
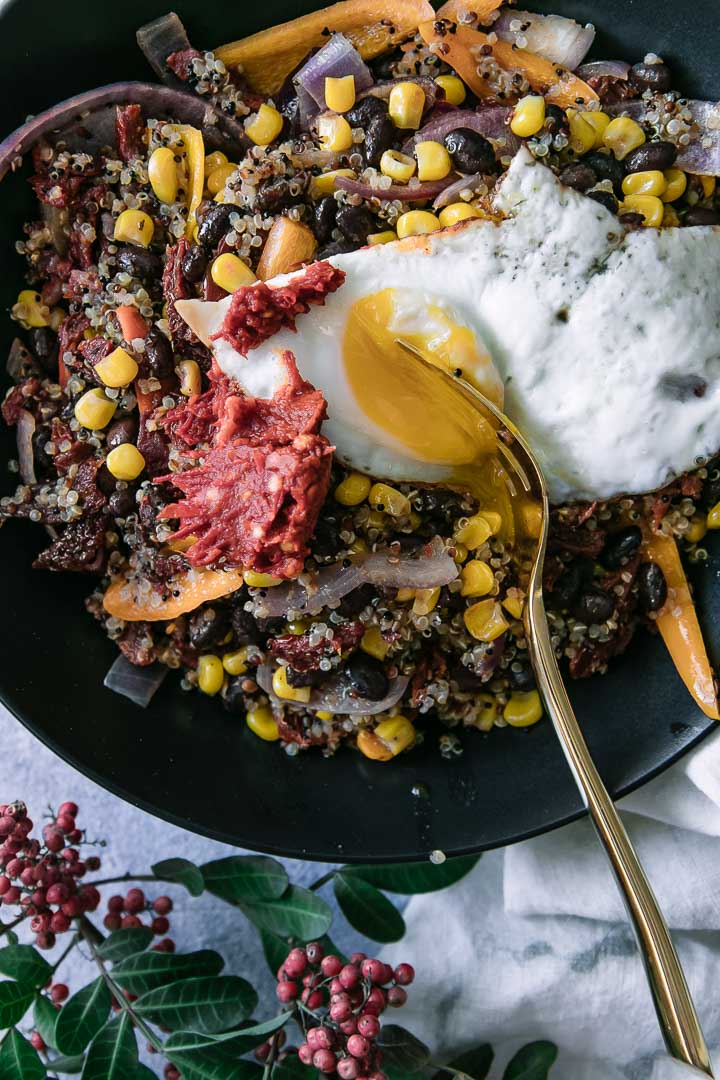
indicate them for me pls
(401, 1050)
(474, 1063)
(123, 943)
(24, 963)
(204, 1004)
(412, 878)
(113, 1053)
(297, 913)
(245, 878)
(181, 872)
(275, 949)
(234, 1042)
(532, 1062)
(11, 937)
(18, 1060)
(68, 1064)
(45, 1016)
(82, 1017)
(143, 1073)
(211, 1065)
(145, 971)
(367, 909)
(15, 1000)
(292, 1068)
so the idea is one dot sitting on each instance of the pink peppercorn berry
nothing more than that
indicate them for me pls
(59, 993)
(163, 905)
(287, 991)
(404, 974)
(135, 901)
(331, 966)
(358, 1046)
(396, 996)
(305, 1053)
(369, 1026)
(324, 1061)
(348, 1068)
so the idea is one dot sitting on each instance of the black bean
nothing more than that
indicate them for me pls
(367, 676)
(140, 263)
(711, 488)
(578, 574)
(121, 431)
(578, 176)
(324, 214)
(605, 198)
(208, 627)
(593, 605)
(326, 540)
(651, 155)
(556, 121)
(43, 344)
(380, 135)
(651, 76)
(122, 502)
(215, 223)
(522, 680)
(355, 222)
(275, 195)
(367, 109)
(652, 587)
(194, 263)
(383, 67)
(234, 697)
(158, 353)
(621, 546)
(606, 167)
(440, 503)
(356, 601)
(337, 247)
(303, 678)
(702, 215)
(244, 625)
(470, 152)
(43, 461)
(467, 681)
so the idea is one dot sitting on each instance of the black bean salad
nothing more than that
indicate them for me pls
(357, 610)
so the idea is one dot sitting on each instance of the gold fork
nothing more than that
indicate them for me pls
(674, 1006)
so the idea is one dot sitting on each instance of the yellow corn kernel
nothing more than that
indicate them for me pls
(235, 663)
(218, 178)
(650, 182)
(671, 219)
(474, 533)
(334, 133)
(397, 733)
(230, 272)
(376, 520)
(477, 578)
(528, 116)
(425, 601)
(404, 595)
(220, 197)
(514, 606)
(675, 185)
(416, 222)
(485, 620)
(398, 166)
(461, 552)
(163, 174)
(530, 517)
(583, 136)
(134, 227)
(257, 580)
(340, 93)
(385, 237)
(117, 369)
(323, 714)
(94, 410)
(358, 546)
(214, 161)
(325, 183)
(188, 372)
(374, 644)
(406, 104)
(598, 121)
(370, 746)
(353, 490)
(265, 126)
(486, 719)
(389, 500)
(433, 160)
(651, 208)
(262, 723)
(697, 530)
(30, 309)
(708, 186)
(493, 519)
(523, 709)
(125, 462)
(283, 689)
(622, 135)
(210, 674)
(415, 520)
(458, 211)
(454, 88)
(713, 518)
(296, 627)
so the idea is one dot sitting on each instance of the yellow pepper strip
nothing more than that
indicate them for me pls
(678, 624)
(195, 149)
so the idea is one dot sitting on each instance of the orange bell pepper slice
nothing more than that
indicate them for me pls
(132, 323)
(199, 585)
(678, 624)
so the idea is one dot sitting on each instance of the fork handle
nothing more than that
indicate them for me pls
(674, 1006)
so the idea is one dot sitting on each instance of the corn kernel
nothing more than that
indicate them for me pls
(358, 546)
(582, 134)
(406, 104)
(459, 211)
(404, 595)
(425, 601)
(376, 520)
(340, 93)
(474, 533)
(523, 709)
(461, 552)
(415, 520)
(385, 237)
(713, 518)
(353, 490)
(389, 500)
(530, 517)
(486, 719)
(117, 369)
(493, 519)
(598, 122)
(334, 133)
(485, 620)
(675, 185)
(370, 746)
(214, 161)
(528, 116)
(296, 627)
(514, 606)
(622, 135)
(262, 723)
(219, 198)
(697, 530)
(134, 227)
(323, 714)
(265, 126)
(708, 184)
(650, 182)
(30, 309)
(93, 410)
(671, 218)
(454, 88)
(125, 462)
(416, 222)
(649, 206)
(398, 166)
(283, 689)
(257, 580)
(230, 272)
(374, 644)
(210, 674)
(397, 733)
(235, 663)
(477, 578)
(163, 174)
(325, 183)
(433, 160)
(218, 178)
(188, 372)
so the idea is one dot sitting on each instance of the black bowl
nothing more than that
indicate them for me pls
(184, 758)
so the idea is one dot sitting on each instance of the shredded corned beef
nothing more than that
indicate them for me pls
(258, 311)
(176, 287)
(180, 63)
(304, 655)
(129, 131)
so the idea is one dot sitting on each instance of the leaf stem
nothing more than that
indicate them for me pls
(73, 942)
(322, 881)
(125, 878)
(270, 1060)
(7, 927)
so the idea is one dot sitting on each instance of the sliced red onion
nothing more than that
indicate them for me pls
(137, 683)
(490, 122)
(430, 570)
(337, 58)
(405, 192)
(702, 155)
(452, 193)
(560, 40)
(20, 362)
(24, 431)
(336, 696)
(159, 39)
(604, 69)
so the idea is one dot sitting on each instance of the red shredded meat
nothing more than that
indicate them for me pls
(180, 63)
(176, 287)
(129, 131)
(18, 398)
(80, 548)
(303, 656)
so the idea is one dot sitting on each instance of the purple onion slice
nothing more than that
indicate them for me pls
(140, 684)
(337, 696)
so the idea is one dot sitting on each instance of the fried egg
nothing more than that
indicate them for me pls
(603, 344)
